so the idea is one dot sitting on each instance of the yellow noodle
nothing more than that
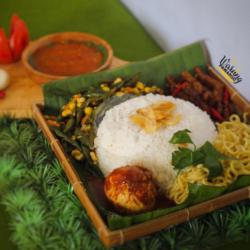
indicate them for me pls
(233, 140)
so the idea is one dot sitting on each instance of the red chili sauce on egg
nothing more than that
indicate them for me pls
(67, 58)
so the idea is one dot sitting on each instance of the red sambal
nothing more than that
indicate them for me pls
(67, 58)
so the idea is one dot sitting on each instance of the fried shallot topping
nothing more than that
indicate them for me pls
(156, 116)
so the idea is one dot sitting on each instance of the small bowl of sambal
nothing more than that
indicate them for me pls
(66, 54)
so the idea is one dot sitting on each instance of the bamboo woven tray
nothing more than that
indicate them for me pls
(118, 237)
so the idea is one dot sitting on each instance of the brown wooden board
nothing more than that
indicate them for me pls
(118, 237)
(23, 91)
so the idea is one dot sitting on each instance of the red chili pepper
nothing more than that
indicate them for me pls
(5, 52)
(216, 115)
(2, 94)
(226, 96)
(179, 88)
(13, 21)
(19, 36)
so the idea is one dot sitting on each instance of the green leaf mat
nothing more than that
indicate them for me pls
(45, 214)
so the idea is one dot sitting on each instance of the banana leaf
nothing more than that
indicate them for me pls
(242, 181)
(116, 221)
(152, 71)
(197, 193)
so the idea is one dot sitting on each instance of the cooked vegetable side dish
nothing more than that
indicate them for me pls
(150, 142)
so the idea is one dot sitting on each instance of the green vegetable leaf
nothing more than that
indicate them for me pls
(214, 166)
(65, 138)
(182, 158)
(181, 136)
(198, 157)
(83, 138)
(212, 159)
(69, 124)
(207, 155)
(209, 149)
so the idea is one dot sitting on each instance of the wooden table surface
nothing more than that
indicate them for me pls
(23, 91)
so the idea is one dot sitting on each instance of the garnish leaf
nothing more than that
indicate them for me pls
(207, 155)
(213, 165)
(197, 157)
(182, 158)
(212, 159)
(181, 136)
(209, 149)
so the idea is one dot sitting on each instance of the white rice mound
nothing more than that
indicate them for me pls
(120, 142)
